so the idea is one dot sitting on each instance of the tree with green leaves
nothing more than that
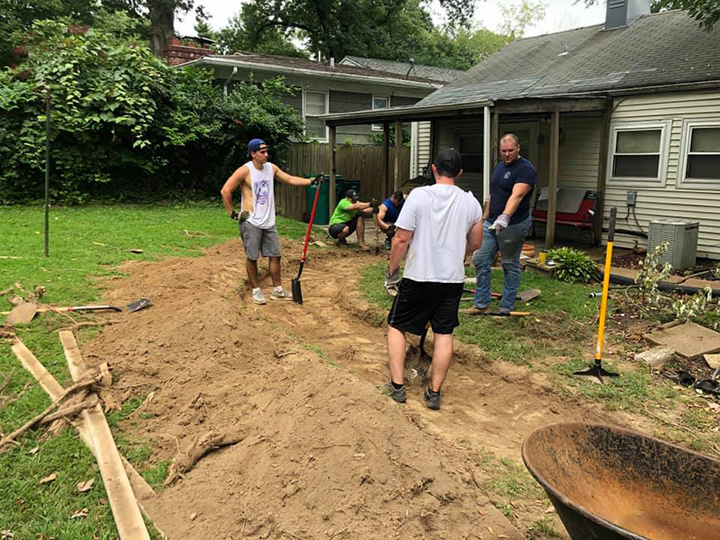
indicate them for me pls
(705, 12)
(240, 35)
(518, 18)
(340, 27)
(124, 122)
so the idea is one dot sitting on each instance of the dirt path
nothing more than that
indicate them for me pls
(324, 455)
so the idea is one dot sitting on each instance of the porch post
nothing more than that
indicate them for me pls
(552, 186)
(602, 175)
(331, 148)
(398, 152)
(495, 135)
(386, 156)
(487, 149)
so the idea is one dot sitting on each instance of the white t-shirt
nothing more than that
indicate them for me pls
(440, 217)
(263, 214)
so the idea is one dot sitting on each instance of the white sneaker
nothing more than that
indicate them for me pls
(258, 296)
(278, 293)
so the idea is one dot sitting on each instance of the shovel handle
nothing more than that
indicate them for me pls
(319, 178)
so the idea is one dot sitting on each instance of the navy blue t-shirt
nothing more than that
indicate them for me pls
(502, 181)
(392, 211)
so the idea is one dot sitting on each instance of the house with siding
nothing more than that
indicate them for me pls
(631, 106)
(326, 88)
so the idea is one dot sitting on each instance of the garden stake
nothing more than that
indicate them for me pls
(597, 370)
(295, 282)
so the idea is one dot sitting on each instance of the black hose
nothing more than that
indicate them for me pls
(629, 232)
(665, 287)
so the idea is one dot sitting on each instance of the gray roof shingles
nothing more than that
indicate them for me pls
(659, 49)
(402, 68)
(320, 67)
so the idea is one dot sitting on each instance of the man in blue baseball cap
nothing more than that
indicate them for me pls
(257, 217)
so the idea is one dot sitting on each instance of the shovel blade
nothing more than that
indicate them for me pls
(296, 290)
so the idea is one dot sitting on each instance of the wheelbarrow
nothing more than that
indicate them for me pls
(608, 483)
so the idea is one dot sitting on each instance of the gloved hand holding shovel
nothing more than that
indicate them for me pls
(392, 280)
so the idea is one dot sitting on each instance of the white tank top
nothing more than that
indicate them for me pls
(263, 192)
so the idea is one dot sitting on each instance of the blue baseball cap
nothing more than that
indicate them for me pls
(255, 144)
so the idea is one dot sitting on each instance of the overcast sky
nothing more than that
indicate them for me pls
(561, 15)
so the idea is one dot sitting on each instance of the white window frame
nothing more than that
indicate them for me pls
(694, 183)
(327, 110)
(659, 181)
(379, 127)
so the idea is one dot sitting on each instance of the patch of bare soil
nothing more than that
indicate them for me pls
(321, 453)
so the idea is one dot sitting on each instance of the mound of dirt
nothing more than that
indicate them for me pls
(324, 454)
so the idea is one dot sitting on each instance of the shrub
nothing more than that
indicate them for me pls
(125, 124)
(573, 266)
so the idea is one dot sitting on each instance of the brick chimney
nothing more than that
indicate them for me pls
(181, 51)
(624, 12)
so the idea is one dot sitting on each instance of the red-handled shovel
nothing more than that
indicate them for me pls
(295, 282)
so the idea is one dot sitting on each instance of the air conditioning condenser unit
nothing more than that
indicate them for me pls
(682, 237)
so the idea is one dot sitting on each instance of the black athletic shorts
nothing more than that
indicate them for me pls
(335, 229)
(420, 302)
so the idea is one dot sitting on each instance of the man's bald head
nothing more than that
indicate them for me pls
(509, 148)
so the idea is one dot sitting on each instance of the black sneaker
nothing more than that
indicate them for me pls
(432, 399)
(388, 389)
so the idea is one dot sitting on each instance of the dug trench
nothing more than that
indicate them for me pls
(321, 453)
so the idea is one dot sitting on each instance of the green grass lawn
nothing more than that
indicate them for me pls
(85, 242)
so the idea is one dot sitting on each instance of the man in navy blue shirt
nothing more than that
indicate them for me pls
(388, 213)
(506, 223)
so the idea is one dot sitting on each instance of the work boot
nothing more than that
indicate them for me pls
(475, 311)
(278, 293)
(388, 389)
(432, 399)
(258, 296)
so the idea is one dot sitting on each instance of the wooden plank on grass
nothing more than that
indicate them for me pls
(142, 489)
(124, 506)
(33, 365)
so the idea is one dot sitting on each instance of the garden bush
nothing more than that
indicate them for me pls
(573, 266)
(125, 125)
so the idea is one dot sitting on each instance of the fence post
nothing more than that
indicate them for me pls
(331, 195)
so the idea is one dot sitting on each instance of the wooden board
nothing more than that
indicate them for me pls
(30, 363)
(124, 506)
(141, 488)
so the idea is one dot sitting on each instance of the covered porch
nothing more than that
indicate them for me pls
(565, 139)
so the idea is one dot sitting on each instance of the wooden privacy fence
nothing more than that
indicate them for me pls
(361, 163)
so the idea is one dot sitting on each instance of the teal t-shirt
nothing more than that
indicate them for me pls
(341, 213)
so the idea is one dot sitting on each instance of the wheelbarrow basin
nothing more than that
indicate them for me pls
(608, 483)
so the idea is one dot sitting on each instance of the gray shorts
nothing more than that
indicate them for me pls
(259, 241)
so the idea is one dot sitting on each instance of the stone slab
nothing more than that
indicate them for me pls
(689, 340)
(713, 360)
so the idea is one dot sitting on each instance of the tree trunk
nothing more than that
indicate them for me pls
(162, 18)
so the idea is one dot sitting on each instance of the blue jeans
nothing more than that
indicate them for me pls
(509, 242)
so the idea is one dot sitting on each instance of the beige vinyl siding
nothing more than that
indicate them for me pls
(579, 151)
(668, 200)
(423, 156)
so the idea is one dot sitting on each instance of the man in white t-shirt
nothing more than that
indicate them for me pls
(257, 218)
(438, 227)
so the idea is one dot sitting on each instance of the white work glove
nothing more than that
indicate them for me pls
(501, 223)
(392, 281)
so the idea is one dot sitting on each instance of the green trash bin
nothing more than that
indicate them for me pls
(322, 214)
(343, 185)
